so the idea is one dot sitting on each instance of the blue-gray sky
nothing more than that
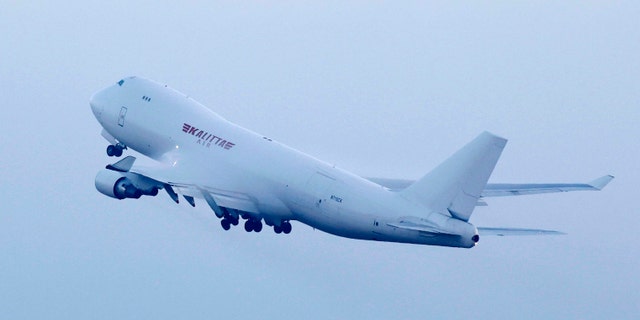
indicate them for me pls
(378, 88)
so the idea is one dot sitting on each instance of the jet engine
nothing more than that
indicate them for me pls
(121, 185)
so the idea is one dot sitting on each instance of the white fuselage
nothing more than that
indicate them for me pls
(201, 148)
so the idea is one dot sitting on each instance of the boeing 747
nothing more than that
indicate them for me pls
(243, 175)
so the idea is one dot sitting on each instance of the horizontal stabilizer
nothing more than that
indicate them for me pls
(516, 232)
(407, 225)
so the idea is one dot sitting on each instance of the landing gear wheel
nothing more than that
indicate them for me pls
(114, 151)
(226, 225)
(248, 226)
(257, 226)
(286, 227)
(234, 221)
(118, 151)
(277, 229)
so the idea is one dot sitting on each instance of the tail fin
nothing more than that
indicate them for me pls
(456, 184)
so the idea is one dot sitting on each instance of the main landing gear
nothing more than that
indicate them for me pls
(253, 224)
(115, 150)
(285, 228)
(232, 216)
(226, 222)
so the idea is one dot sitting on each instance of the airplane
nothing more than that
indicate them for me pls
(244, 175)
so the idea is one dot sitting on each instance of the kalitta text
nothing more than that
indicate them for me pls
(207, 139)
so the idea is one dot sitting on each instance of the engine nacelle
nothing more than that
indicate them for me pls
(121, 185)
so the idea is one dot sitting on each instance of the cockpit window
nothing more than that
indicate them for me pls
(121, 82)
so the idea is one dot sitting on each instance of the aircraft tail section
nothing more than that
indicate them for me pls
(457, 184)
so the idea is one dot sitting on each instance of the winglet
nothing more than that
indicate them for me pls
(123, 165)
(601, 182)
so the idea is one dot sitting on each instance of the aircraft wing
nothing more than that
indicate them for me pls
(503, 189)
(506, 189)
(516, 232)
(222, 198)
(167, 179)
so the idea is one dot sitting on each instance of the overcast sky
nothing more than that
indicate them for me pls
(378, 88)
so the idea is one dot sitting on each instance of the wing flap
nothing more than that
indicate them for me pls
(167, 177)
(222, 198)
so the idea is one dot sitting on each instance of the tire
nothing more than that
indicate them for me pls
(286, 227)
(248, 226)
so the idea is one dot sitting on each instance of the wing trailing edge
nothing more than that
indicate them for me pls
(483, 231)
(505, 189)
(511, 189)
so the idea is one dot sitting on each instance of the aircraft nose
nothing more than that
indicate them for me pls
(97, 102)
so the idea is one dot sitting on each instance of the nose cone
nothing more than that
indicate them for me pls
(97, 102)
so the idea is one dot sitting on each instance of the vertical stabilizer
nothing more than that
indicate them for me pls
(456, 184)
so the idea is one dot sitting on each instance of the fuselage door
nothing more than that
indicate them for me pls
(123, 113)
